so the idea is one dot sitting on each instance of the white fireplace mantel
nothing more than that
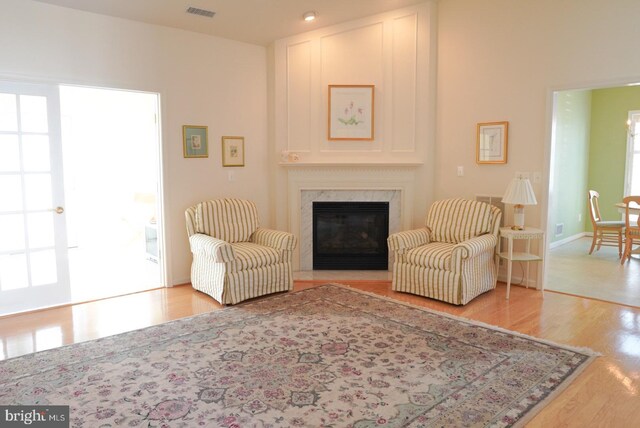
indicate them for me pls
(351, 164)
(391, 183)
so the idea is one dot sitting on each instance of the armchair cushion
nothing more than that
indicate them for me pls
(456, 220)
(436, 255)
(232, 220)
(251, 256)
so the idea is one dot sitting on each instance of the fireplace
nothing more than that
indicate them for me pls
(350, 235)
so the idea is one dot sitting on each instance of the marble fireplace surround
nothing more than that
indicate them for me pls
(308, 184)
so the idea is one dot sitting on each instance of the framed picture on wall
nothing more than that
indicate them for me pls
(491, 144)
(195, 141)
(351, 110)
(232, 151)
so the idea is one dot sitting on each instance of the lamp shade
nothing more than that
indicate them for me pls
(520, 192)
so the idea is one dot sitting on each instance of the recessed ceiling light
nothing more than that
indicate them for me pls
(309, 16)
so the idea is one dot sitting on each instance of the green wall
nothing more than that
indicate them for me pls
(608, 149)
(570, 163)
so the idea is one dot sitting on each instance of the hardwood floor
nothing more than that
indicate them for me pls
(606, 394)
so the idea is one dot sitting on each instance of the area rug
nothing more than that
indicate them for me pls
(323, 357)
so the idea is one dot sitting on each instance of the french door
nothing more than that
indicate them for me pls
(34, 268)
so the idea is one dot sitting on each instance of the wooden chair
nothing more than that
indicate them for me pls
(607, 233)
(632, 231)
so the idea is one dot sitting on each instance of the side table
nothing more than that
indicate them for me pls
(510, 235)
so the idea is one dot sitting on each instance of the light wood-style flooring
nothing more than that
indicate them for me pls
(606, 394)
(571, 270)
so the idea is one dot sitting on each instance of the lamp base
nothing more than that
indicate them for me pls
(518, 217)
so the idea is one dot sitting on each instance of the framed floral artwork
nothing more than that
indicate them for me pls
(232, 151)
(491, 144)
(351, 112)
(194, 141)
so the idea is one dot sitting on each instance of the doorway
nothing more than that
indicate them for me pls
(589, 151)
(110, 145)
(79, 184)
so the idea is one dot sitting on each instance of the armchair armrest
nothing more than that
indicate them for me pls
(219, 250)
(408, 239)
(473, 247)
(274, 238)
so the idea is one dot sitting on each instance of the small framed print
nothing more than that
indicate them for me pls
(232, 151)
(492, 140)
(351, 112)
(195, 141)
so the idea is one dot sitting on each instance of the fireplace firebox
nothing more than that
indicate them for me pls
(350, 235)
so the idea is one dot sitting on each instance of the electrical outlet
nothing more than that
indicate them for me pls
(579, 217)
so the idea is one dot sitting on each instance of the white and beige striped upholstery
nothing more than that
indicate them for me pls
(452, 258)
(233, 258)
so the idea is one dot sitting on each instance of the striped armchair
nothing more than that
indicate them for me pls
(233, 258)
(452, 258)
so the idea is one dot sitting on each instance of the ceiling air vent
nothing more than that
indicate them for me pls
(201, 12)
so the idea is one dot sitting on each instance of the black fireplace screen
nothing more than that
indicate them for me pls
(350, 235)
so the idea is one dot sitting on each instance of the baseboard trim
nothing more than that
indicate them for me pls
(517, 280)
(568, 239)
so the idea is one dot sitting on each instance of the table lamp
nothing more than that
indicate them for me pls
(519, 193)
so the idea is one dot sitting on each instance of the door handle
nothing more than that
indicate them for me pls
(58, 210)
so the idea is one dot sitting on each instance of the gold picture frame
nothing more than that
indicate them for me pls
(492, 142)
(195, 141)
(351, 112)
(232, 151)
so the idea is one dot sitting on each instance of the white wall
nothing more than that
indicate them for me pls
(501, 59)
(202, 80)
(393, 51)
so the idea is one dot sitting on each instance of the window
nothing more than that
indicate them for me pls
(632, 175)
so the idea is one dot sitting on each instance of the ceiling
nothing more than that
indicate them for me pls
(252, 21)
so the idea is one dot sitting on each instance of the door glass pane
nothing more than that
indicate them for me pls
(38, 191)
(33, 113)
(43, 267)
(9, 153)
(10, 193)
(8, 113)
(35, 153)
(40, 230)
(13, 272)
(12, 232)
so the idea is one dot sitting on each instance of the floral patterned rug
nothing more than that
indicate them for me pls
(323, 357)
